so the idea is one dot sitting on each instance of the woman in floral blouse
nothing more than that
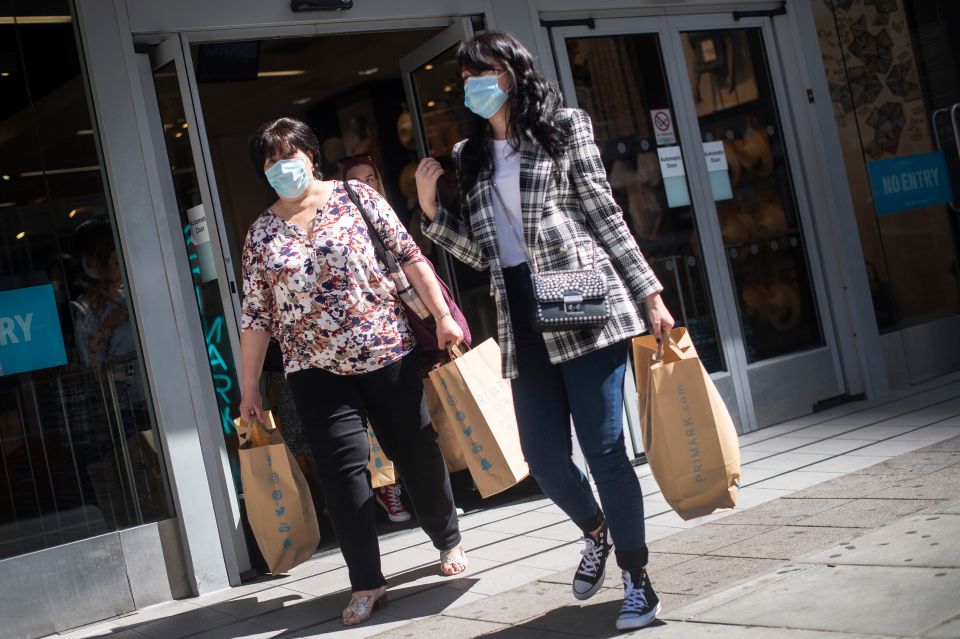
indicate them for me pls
(311, 280)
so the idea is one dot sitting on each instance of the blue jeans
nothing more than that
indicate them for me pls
(590, 388)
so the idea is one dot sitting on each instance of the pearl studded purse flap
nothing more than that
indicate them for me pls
(570, 300)
(566, 300)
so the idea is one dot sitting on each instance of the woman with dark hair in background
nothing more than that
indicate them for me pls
(535, 198)
(362, 169)
(311, 279)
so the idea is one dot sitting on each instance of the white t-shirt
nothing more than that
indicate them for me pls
(506, 163)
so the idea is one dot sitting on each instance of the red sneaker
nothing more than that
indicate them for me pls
(389, 498)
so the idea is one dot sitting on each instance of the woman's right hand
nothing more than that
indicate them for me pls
(251, 404)
(428, 172)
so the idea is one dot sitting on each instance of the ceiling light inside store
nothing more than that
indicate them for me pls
(184, 125)
(447, 88)
(75, 169)
(280, 74)
(178, 134)
(431, 103)
(85, 132)
(21, 235)
(6, 178)
(370, 71)
(35, 20)
(428, 67)
(301, 101)
(5, 74)
(6, 205)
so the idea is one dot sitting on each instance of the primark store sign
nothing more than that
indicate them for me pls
(30, 334)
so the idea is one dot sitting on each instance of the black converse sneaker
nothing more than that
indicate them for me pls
(640, 602)
(589, 577)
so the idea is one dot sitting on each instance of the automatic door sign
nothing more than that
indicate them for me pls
(663, 126)
(674, 176)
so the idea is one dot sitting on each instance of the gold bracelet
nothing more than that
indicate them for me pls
(442, 316)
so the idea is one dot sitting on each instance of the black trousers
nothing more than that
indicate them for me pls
(334, 410)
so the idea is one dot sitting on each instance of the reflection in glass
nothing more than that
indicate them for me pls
(199, 251)
(751, 183)
(439, 93)
(79, 454)
(620, 82)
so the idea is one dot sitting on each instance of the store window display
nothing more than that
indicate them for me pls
(79, 455)
(760, 224)
(891, 66)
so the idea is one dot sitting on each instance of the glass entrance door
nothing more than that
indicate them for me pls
(688, 121)
(186, 197)
(439, 119)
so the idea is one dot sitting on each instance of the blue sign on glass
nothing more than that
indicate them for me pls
(909, 182)
(30, 334)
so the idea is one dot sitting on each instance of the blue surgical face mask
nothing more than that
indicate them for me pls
(483, 95)
(289, 178)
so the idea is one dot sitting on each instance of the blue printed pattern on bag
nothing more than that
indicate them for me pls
(476, 448)
(375, 449)
(279, 509)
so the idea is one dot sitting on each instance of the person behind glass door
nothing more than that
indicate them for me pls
(311, 279)
(545, 163)
(362, 169)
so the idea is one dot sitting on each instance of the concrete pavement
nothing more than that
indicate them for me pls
(821, 483)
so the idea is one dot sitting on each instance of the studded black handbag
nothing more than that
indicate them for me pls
(566, 300)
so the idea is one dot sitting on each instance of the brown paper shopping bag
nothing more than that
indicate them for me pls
(479, 404)
(278, 502)
(688, 435)
(446, 437)
(382, 472)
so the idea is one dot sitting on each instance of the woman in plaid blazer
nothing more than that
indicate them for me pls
(535, 196)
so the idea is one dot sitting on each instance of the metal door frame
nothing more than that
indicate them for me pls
(719, 280)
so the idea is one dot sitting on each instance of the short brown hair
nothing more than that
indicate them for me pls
(283, 137)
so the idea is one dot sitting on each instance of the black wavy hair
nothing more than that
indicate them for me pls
(533, 102)
(283, 137)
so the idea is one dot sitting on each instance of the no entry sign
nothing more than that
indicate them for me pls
(663, 126)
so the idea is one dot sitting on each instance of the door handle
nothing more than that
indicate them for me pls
(954, 112)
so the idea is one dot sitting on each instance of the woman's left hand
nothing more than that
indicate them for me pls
(449, 333)
(661, 321)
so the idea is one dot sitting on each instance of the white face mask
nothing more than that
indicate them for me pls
(289, 178)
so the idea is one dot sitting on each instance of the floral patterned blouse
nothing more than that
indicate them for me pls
(325, 297)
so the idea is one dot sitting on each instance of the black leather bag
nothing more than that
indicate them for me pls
(570, 300)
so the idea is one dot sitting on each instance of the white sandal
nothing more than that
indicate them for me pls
(360, 608)
(453, 557)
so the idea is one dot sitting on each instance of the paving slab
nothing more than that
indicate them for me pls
(786, 542)
(854, 599)
(852, 486)
(947, 445)
(381, 623)
(688, 630)
(797, 480)
(702, 575)
(443, 626)
(866, 513)
(925, 540)
(943, 484)
(946, 507)
(947, 630)
(702, 539)
(782, 511)
(917, 462)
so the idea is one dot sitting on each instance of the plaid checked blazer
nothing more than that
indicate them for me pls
(568, 210)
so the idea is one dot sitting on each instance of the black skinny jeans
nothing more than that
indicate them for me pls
(333, 410)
